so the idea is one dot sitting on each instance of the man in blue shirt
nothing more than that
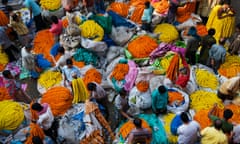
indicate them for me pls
(160, 100)
(69, 70)
(35, 12)
(217, 55)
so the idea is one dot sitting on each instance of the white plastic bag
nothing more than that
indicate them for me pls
(93, 45)
(121, 35)
(141, 100)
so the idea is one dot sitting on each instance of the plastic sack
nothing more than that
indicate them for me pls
(104, 21)
(97, 46)
(121, 35)
(47, 13)
(193, 77)
(155, 82)
(113, 52)
(192, 21)
(139, 99)
(183, 107)
(176, 122)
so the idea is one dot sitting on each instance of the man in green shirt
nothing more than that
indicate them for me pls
(227, 127)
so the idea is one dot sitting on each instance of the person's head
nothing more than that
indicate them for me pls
(211, 31)
(28, 47)
(7, 74)
(227, 2)
(218, 124)
(137, 122)
(54, 19)
(222, 41)
(91, 86)
(184, 117)
(9, 9)
(15, 17)
(36, 140)
(123, 93)
(162, 89)
(227, 114)
(37, 107)
(69, 63)
(147, 4)
(4, 2)
(61, 50)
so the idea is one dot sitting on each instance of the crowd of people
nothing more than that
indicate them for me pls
(221, 38)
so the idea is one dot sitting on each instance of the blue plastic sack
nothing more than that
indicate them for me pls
(117, 20)
(176, 122)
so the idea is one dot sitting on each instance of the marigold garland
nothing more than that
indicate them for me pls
(142, 46)
(167, 119)
(204, 100)
(4, 95)
(49, 79)
(59, 99)
(174, 96)
(231, 67)
(120, 71)
(206, 79)
(142, 86)
(3, 19)
(65, 22)
(119, 8)
(43, 42)
(35, 130)
(167, 32)
(92, 75)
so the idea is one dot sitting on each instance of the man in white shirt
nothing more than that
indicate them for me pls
(189, 131)
(28, 58)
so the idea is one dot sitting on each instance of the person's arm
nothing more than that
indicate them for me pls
(125, 115)
(130, 138)
(210, 113)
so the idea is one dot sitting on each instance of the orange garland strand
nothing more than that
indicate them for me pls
(34, 115)
(142, 46)
(43, 42)
(92, 75)
(142, 86)
(65, 22)
(173, 69)
(3, 19)
(175, 96)
(35, 130)
(119, 8)
(201, 30)
(119, 71)
(4, 95)
(59, 99)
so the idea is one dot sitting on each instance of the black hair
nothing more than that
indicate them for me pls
(9, 8)
(222, 41)
(123, 92)
(54, 19)
(238, 26)
(4, 2)
(137, 122)
(69, 61)
(211, 31)
(15, 17)
(184, 117)
(37, 107)
(6, 73)
(227, 114)
(147, 4)
(36, 140)
(218, 124)
(28, 46)
(227, 2)
(61, 50)
(91, 86)
(162, 89)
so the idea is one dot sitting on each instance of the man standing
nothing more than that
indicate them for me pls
(188, 131)
(35, 12)
(217, 55)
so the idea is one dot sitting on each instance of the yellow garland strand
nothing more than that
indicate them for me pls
(90, 29)
(49, 78)
(3, 58)
(79, 90)
(206, 79)
(204, 100)
(167, 119)
(11, 115)
(50, 4)
(168, 33)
